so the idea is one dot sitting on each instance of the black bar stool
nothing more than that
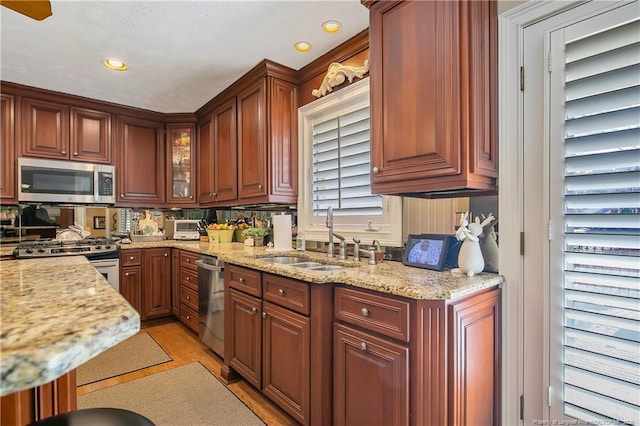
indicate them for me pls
(96, 417)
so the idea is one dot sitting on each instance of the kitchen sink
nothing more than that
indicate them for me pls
(285, 260)
(326, 268)
(306, 265)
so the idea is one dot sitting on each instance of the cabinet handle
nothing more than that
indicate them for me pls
(121, 195)
(264, 314)
(75, 154)
(63, 152)
(363, 346)
(259, 186)
(188, 260)
(376, 169)
(211, 194)
(365, 312)
(166, 254)
(191, 196)
(188, 297)
(254, 310)
(188, 316)
(281, 292)
(126, 274)
(130, 257)
(215, 194)
(241, 279)
(188, 278)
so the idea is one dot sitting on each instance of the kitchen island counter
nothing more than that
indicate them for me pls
(56, 314)
(386, 277)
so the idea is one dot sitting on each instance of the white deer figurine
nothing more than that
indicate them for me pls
(470, 260)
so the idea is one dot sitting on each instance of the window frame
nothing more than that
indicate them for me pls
(387, 229)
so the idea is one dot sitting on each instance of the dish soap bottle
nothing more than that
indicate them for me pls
(300, 243)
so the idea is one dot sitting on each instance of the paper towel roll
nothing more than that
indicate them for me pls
(282, 232)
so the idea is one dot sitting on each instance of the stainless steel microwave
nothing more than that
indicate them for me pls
(54, 181)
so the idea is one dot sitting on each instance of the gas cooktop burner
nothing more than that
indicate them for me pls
(93, 248)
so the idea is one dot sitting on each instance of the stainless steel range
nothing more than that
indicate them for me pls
(103, 253)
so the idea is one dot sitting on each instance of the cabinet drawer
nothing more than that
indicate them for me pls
(130, 257)
(287, 293)
(189, 317)
(189, 297)
(188, 260)
(243, 279)
(381, 314)
(189, 278)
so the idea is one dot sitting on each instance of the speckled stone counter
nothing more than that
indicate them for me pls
(386, 277)
(7, 249)
(56, 314)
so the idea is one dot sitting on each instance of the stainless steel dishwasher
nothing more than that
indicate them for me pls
(211, 302)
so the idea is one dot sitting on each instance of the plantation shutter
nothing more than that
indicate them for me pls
(341, 166)
(601, 232)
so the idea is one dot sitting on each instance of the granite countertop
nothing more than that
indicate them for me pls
(386, 277)
(56, 314)
(7, 249)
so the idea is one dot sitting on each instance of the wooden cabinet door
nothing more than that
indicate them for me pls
(7, 149)
(90, 136)
(225, 142)
(131, 286)
(243, 335)
(474, 354)
(370, 379)
(175, 282)
(252, 141)
(424, 133)
(45, 129)
(156, 289)
(181, 165)
(283, 141)
(140, 162)
(286, 357)
(206, 188)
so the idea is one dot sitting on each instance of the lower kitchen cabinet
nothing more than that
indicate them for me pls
(175, 282)
(50, 399)
(273, 328)
(145, 281)
(188, 290)
(401, 361)
(371, 383)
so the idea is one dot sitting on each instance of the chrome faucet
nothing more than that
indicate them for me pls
(357, 250)
(330, 247)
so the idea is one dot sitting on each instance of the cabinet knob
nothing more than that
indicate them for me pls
(254, 310)
(211, 194)
(281, 292)
(188, 316)
(188, 278)
(166, 254)
(259, 186)
(188, 260)
(241, 280)
(215, 194)
(191, 196)
(376, 169)
(63, 152)
(130, 257)
(121, 195)
(126, 274)
(365, 312)
(264, 314)
(188, 297)
(75, 154)
(363, 346)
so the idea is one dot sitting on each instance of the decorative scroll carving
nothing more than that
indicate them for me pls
(336, 75)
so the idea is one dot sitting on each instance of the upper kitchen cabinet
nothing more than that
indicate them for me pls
(57, 131)
(181, 164)
(217, 155)
(267, 138)
(7, 149)
(140, 162)
(433, 97)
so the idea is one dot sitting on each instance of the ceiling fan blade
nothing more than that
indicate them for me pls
(36, 9)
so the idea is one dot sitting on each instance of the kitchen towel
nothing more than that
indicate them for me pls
(282, 232)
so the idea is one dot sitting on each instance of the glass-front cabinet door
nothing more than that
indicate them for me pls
(181, 164)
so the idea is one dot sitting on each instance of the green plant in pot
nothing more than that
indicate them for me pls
(257, 234)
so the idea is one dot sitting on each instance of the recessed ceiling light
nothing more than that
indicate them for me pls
(114, 64)
(302, 46)
(331, 26)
